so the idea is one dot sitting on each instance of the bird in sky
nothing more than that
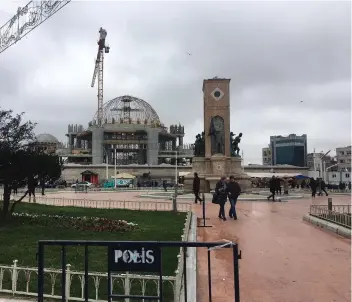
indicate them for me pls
(301, 101)
(188, 53)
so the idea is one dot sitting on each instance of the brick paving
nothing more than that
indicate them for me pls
(104, 200)
(113, 196)
(283, 258)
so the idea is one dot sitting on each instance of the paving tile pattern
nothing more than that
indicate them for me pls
(283, 258)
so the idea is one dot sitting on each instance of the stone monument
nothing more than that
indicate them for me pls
(216, 151)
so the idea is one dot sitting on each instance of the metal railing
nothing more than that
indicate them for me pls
(22, 281)
(128, 246)
(140, 205)
(38, 190)
(182, 256)
(339, 214)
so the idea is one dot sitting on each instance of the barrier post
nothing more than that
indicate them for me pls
(203, 214)
(330, 204)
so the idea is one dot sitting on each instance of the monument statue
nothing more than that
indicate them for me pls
(232, 147)
(216, 152)
(217, 134)
(236, 141)
(199, 145)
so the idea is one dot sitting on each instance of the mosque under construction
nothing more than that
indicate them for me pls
(131, 134)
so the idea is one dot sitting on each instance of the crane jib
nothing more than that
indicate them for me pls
(26, 19)
(98, 72)
(95, 73)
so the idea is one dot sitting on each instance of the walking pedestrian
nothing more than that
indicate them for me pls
(272, 188)
(313, 186)
(323, 186)
(196, 188)
(234, 190)
(221, 192)
(277, 186)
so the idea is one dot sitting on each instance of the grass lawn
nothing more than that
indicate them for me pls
(18, 240)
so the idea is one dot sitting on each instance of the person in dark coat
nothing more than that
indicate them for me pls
(323, 186)
(272, 187)
(221, 192)
(313, 186)
(234, 190)
(196, 188)
(277, 185)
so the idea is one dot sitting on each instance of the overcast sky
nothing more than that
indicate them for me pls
(277, 55)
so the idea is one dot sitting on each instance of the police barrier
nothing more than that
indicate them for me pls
(141, 256)
(203, 215)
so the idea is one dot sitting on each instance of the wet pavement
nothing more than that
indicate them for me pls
(113, 200)
(103, 196)
(14, 300)
(283, 258)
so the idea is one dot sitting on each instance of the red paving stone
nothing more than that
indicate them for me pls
(113, 196)
(115, 200)
(283, 258)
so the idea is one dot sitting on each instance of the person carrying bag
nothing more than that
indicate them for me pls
(220, 197)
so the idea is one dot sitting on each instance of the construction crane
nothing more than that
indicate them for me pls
(27, 19)
(98, 70)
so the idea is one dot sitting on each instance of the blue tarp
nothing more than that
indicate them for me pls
(300, 176)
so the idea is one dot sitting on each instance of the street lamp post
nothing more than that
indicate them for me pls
(174, 200)
(176, 178)
(106, 164)
(322, 165)
(115, 167)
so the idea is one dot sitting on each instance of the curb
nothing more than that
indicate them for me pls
(329, 226)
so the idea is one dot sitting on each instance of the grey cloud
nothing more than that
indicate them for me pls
(276, 53)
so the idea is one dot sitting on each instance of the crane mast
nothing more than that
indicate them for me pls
(99, 71)
(27, 19)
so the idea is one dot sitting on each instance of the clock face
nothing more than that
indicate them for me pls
(217, 94)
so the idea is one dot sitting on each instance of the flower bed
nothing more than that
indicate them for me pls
(84, 223)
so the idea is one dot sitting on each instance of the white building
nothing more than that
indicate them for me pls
(266, 156)
(332, 177)
(344, 158)
(318, 162)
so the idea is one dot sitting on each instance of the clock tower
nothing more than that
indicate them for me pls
(213, 157)
(217, 117)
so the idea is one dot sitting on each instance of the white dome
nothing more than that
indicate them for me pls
(46, 138)
(128, 108)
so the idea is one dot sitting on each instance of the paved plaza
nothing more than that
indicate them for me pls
(283, 258)
(113, 196)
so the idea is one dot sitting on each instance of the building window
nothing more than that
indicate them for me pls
(334, 176)
(341, 161)
(347, 175)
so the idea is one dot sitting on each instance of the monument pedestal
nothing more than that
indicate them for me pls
(210, 170)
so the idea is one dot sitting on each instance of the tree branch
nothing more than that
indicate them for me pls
(18, 201)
